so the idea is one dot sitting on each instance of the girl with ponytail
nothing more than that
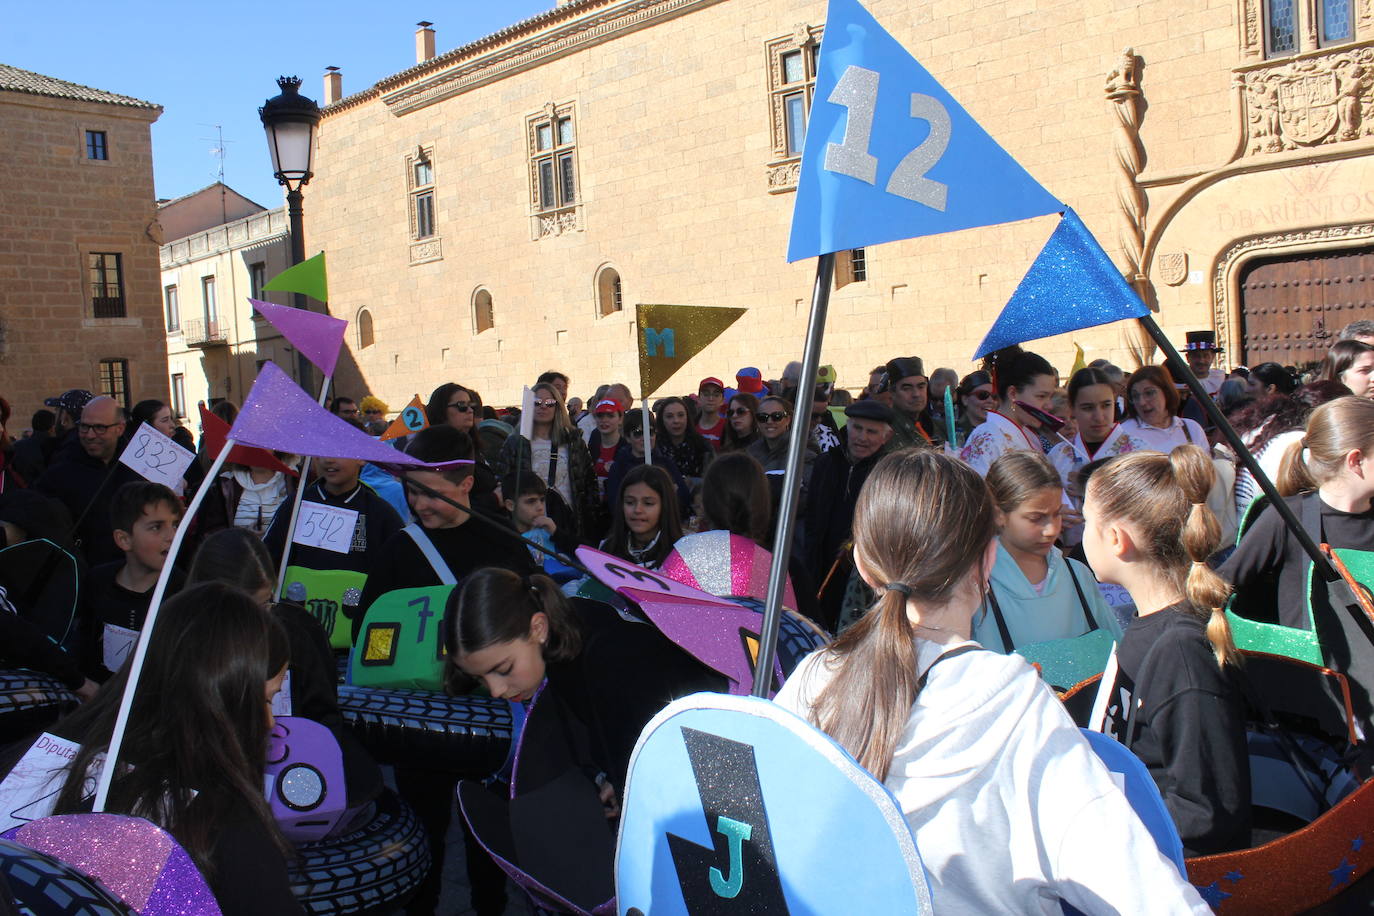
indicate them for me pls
(975, 747)
(1147, 528)
(1327, 479)
(1019, 378)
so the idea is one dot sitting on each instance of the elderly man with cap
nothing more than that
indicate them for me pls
(85, 479)
(911, 421)
(836, 479)
(1200, 349)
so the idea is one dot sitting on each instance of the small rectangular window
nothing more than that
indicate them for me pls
(565, 131)
(169, 299)
(424, 214)
(107, 284)
(543, 137)
(207, 294)
(793, 67)
(97, 146)
(179, 394)
(114, 380)
(858, 264)
(794, 111)
(424, 173)
(567, 189)
(546, 185)
(1281, 26)
(257, 278)
(1335, 21)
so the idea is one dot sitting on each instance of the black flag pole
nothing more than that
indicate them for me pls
(1309, 546)
(791, 486)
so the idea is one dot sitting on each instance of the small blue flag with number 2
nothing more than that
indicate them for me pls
(889, 154)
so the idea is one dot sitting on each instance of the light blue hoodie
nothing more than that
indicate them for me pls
(1055, 613)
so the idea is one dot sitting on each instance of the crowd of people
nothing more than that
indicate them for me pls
(931, 542)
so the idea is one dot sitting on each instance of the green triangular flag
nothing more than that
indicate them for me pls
(306, 277)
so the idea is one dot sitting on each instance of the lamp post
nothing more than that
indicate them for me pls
(290, 120)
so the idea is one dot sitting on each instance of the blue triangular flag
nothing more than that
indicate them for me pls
(889, 154)
(1071, 285)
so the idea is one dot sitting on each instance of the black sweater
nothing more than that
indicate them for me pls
(1189, 729)
(623, 676)
(398, 563)
(377, 521)
(1269, 568)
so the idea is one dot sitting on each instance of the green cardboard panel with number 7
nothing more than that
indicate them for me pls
(401, 644)
(889, 154)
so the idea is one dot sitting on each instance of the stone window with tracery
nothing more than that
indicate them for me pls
(1295, 26)
(555, 191)
(791, 64)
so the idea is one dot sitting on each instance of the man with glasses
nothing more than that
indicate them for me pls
(85, 478)
(347, 408)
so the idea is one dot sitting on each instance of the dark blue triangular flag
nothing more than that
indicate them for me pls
(1071, 285)
(889, 154)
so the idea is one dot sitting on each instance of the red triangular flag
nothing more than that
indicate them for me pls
(214, 432)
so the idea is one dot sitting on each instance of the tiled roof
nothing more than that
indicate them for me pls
(15, 80)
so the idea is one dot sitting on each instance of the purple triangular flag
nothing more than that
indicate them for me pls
(316, 335)
(281, 417)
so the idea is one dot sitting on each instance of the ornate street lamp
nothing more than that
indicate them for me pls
(290, 120)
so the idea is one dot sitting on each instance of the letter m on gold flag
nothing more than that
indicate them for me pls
(670, 335)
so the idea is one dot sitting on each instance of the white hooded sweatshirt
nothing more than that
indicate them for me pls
(1010, 807)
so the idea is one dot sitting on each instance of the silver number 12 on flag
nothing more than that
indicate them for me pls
(857, 91)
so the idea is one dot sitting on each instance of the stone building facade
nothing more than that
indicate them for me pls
(215, 341)
(78, 244)
(497, 210)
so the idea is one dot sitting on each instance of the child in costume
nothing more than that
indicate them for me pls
(1174, 701)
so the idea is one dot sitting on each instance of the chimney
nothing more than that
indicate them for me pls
(424, 42)
(333, 85)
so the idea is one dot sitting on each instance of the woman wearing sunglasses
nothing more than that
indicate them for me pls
(775, 425)
(975, 397)
(742, 428)
(453, 405)
(555, 451)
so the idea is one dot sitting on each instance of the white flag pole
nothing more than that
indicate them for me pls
(102, 791)
(296, 501)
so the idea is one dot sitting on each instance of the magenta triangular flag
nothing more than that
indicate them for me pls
(279, 416)
(316, 335)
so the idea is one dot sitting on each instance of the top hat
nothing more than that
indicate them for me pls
(1201, 340)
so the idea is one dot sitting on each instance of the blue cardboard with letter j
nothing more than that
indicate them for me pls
(735, 805)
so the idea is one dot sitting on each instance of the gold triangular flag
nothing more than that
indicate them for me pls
(670, 335)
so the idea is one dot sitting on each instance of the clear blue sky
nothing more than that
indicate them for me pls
(216, 63)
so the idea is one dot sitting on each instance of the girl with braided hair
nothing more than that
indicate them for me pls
(1174, 701)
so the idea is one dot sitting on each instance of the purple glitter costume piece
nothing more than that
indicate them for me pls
(133, 858)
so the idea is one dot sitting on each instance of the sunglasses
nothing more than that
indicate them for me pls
(635, 433)
(776, 417)
(984, 395)
(740, 412)
(545, 402)
(460, 406)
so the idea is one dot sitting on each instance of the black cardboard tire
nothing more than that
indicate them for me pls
(43, 886)
(375, 868)
(469, 736)
(29, 702)
(797, 638)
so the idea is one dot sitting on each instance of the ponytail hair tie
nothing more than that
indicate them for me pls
(898, 587)
(1202, 505)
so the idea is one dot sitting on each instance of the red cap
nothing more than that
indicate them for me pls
(710, 380)
(608, 405)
